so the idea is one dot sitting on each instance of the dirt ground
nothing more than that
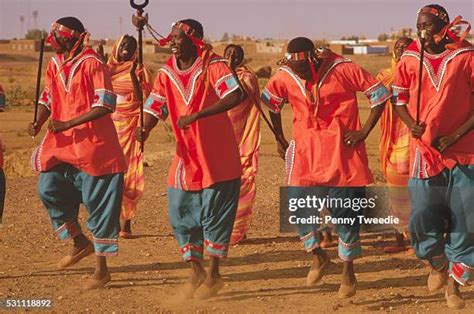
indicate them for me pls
(264, 274)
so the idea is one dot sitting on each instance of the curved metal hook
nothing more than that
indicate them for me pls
(137, 6)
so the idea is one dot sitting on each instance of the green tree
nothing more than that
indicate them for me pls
(225, 37)
(35, 34)
(382, 37)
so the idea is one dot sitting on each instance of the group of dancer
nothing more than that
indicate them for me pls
(91, 153)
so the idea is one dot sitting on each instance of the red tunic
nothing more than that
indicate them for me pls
(317, 155)
(206, 152)
(447, 102)
(92, 147)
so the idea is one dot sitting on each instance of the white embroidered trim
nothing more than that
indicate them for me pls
(290, 162)
(295, 78)
(437, 78)
(152, 113)
(67, 86)
(372, 88)
(339, 61)
(186, 94)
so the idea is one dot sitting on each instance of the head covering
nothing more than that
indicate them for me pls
(302, 48)
(194, 31)
(113, 58)
(442, 14)
(71, 29)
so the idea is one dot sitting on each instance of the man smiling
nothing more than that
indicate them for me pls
(195, 88)
(441, 149)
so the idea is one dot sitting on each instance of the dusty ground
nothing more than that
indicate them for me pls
(265, 274)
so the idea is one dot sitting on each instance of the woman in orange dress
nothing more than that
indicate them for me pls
(245, 120)
(123, 69)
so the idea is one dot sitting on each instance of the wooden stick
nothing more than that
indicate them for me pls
(38, 79)
(420, 75)
(139, 23)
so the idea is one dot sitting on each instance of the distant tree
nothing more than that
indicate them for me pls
(225, 37)
(22, 21)
(35, 18)
(382, 37)
(356, 38)
(35, 34)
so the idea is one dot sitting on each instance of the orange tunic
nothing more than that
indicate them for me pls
(317, 155)
(447, 102)
(92, 147)
(206, 151)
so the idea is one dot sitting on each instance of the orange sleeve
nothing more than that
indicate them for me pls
(401, 83)
(104, 95)
(275, 93)
(45, 96)
(156, 103)
(222, 79)
(359, 80)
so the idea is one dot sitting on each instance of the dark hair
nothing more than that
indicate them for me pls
(240, 52)
(300, 44)
(72, 23)
(439, 8)
(196, 26)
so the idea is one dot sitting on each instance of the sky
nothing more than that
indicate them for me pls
(281, 19)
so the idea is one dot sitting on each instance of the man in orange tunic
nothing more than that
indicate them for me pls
(327, 150)
(441, 149)
(80, 159)
(245, 119)
(195, 88)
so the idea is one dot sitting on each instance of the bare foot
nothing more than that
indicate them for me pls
(127, 226)
(80, 250)
(209, 288)
(320, 262)
(437, 278)
(454, 298)
(349, 281)
(126, 230)
(195, 280)
(97, 281)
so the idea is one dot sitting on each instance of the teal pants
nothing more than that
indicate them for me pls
(349, 247)
(63, 188)
(442, 220)
(204, 218)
